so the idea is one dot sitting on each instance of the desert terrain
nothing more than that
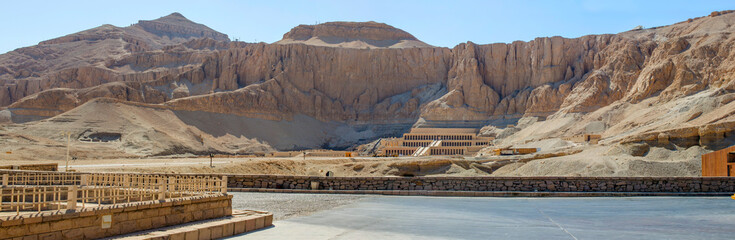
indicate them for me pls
(158, 95)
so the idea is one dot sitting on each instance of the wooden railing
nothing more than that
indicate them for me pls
(32, 178)
(40, 191)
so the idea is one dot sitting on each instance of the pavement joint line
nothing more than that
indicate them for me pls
(557, 224)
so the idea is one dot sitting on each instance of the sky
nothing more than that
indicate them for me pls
(439, 23)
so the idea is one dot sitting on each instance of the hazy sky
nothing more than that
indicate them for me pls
(439, 23)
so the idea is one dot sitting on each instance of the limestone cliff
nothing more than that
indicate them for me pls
(365, 35)
(364, 73)
(89, 58)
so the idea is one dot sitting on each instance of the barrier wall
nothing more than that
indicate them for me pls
(529, 184)
(541, 184)
(33, 167)
(90, 223)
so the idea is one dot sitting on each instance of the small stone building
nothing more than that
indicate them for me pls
(719, 163)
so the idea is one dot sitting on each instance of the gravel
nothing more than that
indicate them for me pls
(288, 205)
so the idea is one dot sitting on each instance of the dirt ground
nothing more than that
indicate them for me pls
(310, 166)
(560, 159)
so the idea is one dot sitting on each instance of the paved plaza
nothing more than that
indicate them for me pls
(419, 217)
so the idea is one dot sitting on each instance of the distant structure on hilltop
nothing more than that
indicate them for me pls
(435, 141)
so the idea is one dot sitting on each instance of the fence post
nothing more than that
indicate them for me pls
(6, 177)
(84, 180)
(71, 198)
(126, 180)
(161, 189)
(171, 184)
(223, 184)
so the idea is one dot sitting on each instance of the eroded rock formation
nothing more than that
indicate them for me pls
(367, 73)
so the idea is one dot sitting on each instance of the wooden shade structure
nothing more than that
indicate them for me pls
(719, 163)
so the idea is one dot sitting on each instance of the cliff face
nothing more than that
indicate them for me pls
(322, 72)
(176, 25)
(327, 83)
(362, 35)
(539, 77)
(349, 30)
(89, 58)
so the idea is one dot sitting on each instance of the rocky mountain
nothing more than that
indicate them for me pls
(365, 35)
(360, 81)
(83, 59)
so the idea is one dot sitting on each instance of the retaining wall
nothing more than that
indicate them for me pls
(524, 184)
(87, 223)
(33, 167)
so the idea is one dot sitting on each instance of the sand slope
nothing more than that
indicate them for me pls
(130, 130)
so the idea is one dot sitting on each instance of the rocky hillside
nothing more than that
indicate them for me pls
(365, 35)
(376, 80)
(88, 58)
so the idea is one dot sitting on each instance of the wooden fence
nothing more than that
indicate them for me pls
(40, 191)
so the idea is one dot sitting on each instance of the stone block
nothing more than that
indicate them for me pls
(193, 234)
(217, 231)
(74, 233)
(104, 211)
(164, 211)
(173, 219)
(177, 236)
(92, 232)
(240, 227)
(144, 223)
(187, 217)
(49, 217)
(158, 222)
(31, 220)
(207, 214)
(117, 209)
(87, 213)
(228, 211)
(228, 229)
(31, 237)
(113, 230)
(205, 234)
(250, 225)
(127, 226)
(119, 217)
(61, 225)
(130, 208)
(219, 212)
(151, 212)
(12, 222)
(179, 209)
(136, 215)
(50, 236)
(87, 221)
(259, 223)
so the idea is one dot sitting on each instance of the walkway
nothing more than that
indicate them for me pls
(415, 217)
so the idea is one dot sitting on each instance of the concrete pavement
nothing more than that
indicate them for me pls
(418, 217)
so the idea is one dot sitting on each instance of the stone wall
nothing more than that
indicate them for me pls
(524, 184)
(33, 167)
(126, 218)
